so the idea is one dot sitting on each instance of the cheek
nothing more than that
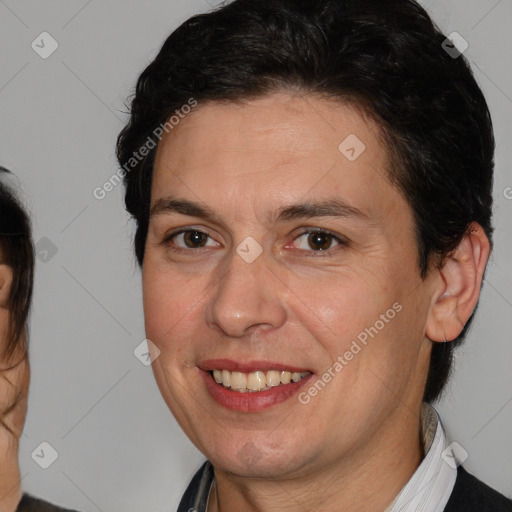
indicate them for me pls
(171, 304)
(371, 313)
(347, 298)
(160, 304)
(335, 311)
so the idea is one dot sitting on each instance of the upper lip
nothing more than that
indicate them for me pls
(248, 366)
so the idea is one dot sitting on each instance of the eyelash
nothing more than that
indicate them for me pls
(315, 253)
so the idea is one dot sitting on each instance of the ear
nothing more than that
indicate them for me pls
(5, 284)
(459, 286)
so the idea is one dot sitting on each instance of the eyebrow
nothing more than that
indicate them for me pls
(335, 207)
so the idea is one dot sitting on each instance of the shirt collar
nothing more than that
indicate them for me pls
(428, 490)
(430, 487)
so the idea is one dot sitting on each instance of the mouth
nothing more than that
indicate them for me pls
(251, 386)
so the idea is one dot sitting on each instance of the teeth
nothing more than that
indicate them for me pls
(238, 381)
(255, 381)
(286, 377)
(273, 378)
(226, 378)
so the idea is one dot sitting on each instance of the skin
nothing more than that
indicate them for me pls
(14, 383)
(295, 304)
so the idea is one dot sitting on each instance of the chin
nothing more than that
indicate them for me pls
(256, 459)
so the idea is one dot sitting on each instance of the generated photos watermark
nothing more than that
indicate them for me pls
(151, 142)
(343, 360)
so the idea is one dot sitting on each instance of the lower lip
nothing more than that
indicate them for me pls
(253, 401)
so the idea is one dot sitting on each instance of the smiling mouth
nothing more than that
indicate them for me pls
(255, 381)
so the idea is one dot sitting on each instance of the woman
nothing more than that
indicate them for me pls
(16, 283)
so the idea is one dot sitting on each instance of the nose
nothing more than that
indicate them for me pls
(248, 297)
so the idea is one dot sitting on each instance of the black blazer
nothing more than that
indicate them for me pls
(30, 504)
(471, 495)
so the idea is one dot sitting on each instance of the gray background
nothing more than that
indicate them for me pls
(90, 398)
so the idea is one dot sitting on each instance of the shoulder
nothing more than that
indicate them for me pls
(469, 494)
(29, 503)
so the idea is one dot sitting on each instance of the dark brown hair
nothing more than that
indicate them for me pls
(17, 251)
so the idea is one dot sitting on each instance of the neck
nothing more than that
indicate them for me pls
(367, 479)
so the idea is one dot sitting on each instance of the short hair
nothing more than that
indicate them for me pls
(16, 251)
(384, 56)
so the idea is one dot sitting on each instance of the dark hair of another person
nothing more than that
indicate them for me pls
(17, 251)
(384, 56)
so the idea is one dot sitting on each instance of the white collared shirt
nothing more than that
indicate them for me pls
(431, 485)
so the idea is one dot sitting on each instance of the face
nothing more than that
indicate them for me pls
(14, 382)
(277, 249)
(14, 374)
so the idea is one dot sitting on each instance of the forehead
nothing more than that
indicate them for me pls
(292, 125)
(274, 148)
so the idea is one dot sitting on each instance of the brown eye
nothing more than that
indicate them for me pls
(189, 239)
(318, 241)
(194, 239)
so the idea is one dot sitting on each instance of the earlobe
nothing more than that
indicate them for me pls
(6, 276)
(459, 287)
